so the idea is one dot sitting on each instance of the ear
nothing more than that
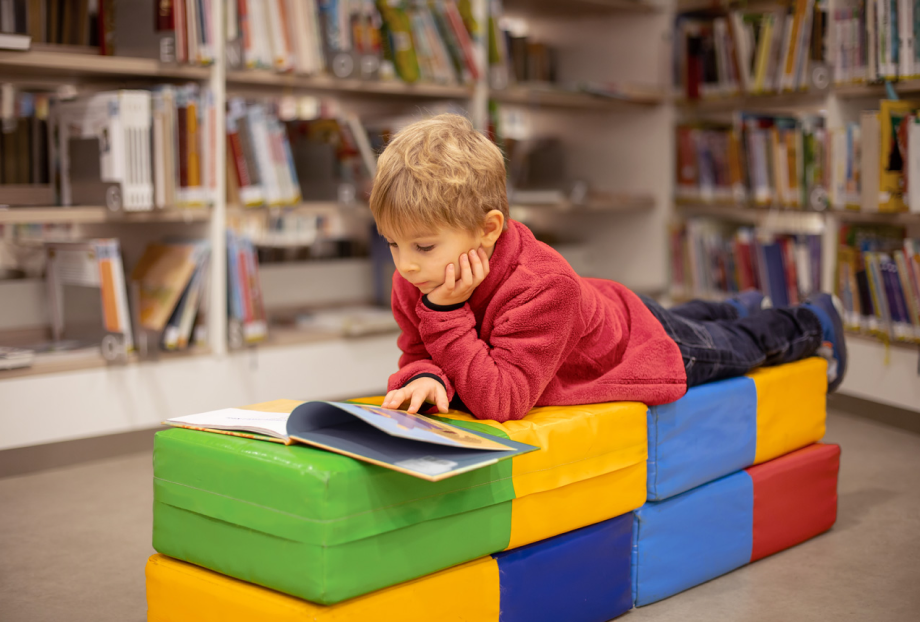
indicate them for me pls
(492, 228)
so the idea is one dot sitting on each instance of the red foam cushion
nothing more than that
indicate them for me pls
(795, 498)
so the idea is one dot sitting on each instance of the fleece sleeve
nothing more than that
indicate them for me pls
(504, 378)
(415, 359)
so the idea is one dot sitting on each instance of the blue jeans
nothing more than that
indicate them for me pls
(717, 343)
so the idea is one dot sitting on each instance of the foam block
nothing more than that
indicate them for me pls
(326, 528)
(582, 576)
(715, 528)
(721, 427)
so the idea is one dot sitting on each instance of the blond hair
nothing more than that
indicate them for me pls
(438, 173)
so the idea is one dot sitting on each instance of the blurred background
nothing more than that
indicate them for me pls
(183, 187)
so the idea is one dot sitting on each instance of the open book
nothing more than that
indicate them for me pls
(395, 439)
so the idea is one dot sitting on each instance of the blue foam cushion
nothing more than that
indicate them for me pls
(692, 538)
(708, 433)
(580, 576)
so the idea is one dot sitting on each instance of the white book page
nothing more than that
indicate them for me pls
(267, 423)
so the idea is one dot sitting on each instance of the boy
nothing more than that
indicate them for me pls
(495, 322)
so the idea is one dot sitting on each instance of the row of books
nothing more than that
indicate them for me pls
(67, 22)
(171, 284)
(416, 40)
(876, 40)
(294, 229)
(712, 261)
(515, 56)
(158, 145)
(878, 281)
(172, 292)
(275, 160)
(767, 160)
(24, 138)
(744, 51)
(875, 163)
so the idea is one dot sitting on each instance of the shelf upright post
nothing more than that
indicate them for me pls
(217, 309)
(479, 105)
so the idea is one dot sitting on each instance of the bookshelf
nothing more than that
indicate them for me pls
(608, 148)
(884, 371)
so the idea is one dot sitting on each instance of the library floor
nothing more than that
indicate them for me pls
(73, 543)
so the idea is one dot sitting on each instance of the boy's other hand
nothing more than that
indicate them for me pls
(474, 268)
(417, 392)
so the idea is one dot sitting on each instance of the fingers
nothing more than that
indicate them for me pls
(440, 399)
(394, 399)
(466, 273)
(417, 398)
(477, 267)
(484, 259)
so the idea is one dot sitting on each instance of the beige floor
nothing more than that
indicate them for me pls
(73, 544)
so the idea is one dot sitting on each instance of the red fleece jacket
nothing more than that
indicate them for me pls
(534, 333)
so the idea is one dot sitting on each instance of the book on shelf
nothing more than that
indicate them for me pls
(24, 144)
(66, 22)
(874, 162)
(178, 332)
(875, 40)
(263, 166)
(248, 320)
(15, 42)
(413, 444)
(157, 145)
(773, 50)
(366, 39)
(766, 160)
(162, 277)
(712, 260)
(119, 122)
(85, 280)
(878, 281)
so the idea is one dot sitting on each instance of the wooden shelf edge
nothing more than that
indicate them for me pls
(755, 213)
(259, 77)
(47, 62)
(85, 214)
(797, 98)
(581, 7)
(558, 98)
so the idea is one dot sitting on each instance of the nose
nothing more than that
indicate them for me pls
(405, 264)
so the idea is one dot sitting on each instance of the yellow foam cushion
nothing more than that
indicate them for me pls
(791, 407)
(179, 592)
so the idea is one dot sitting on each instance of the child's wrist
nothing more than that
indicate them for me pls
(435, 306)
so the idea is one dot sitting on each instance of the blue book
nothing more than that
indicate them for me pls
(776, 274)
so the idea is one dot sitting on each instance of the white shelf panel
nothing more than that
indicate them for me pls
(889, 376)
(110, 400)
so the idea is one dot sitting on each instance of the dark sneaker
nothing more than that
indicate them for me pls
(829, 311)
(749, 302)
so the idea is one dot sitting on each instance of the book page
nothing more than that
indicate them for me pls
(419, 428)
(267, 423)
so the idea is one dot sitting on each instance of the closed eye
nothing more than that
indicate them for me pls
(424, 249)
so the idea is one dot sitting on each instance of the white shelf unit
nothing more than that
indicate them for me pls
(619, 143)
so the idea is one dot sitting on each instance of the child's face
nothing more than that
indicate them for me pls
(422, 258)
